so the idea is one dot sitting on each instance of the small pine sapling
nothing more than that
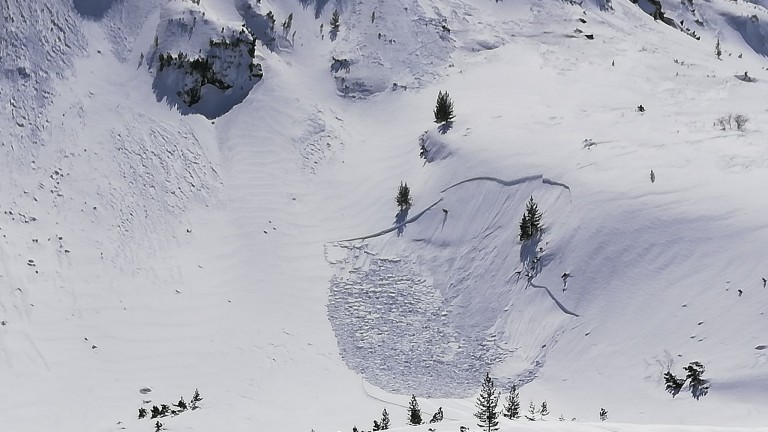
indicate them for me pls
(414, 412)
(376, 426)
(511, 408)
(544, 411)
(142, 413)
(158, 426)
(531, 416)
(437, 417)
(181, 404)
(288, 23)
(530, 225)
(403, 199)
(196, 399)
(603, 414)
(335, 20)
(384, 420)
(443, 108)
(696, 384)
(673, 384)
(718, 51)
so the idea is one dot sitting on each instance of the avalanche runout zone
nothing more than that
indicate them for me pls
(393, 328)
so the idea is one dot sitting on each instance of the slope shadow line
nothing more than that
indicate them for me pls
(395, 227)
(557, 302)
(513, 182)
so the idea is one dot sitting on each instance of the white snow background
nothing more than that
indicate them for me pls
(249, 246)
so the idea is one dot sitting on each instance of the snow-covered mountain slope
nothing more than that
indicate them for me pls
(255, 252)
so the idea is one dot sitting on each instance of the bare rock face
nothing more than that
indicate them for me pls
(213, 73)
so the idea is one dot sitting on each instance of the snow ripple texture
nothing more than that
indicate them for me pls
(393, 327)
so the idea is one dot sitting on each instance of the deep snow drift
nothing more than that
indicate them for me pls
(256, 252)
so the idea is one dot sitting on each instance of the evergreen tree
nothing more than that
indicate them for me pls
(531, 412)
(511, 408)
(335, 23)
(530, 225)
(181, 404)
(376, 426)
(158, 426)
(288, 23)
(155, 412)
(696, 384)
(437, 417)
(403, 198)
(673, 384)
(195, 400)
(603, 414)
(414, 412)
(718, 51)
(443, 108)
(354, 429)
(544, 411)
(142, 413)
(384, 420)
(487, 402)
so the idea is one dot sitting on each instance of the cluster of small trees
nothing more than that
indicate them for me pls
(487, 413)
(487, 404)
(414, 417)
(697, 385)
(378, 425)
(165, 410)
(414, 413)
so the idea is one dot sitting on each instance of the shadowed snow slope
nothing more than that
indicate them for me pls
(146, 252)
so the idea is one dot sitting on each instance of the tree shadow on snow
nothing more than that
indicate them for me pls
(532, 256)
(400, 219)
(333, 34)
(318, 5)
(445, 127)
